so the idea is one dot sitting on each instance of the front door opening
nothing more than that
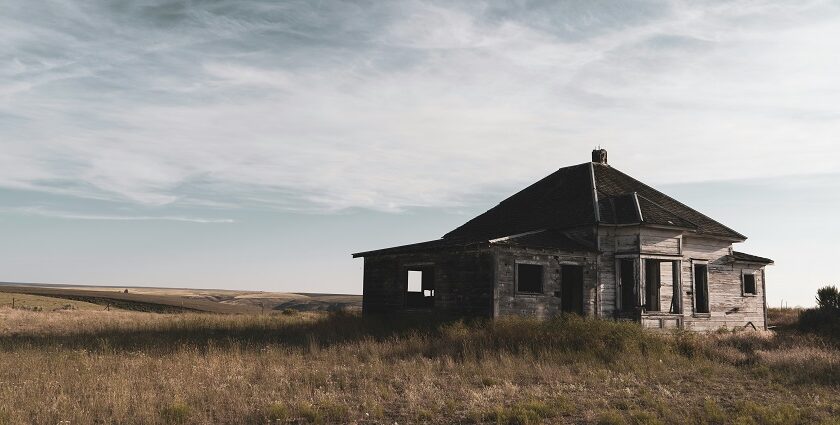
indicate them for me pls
(571, 289)
(662, 286)
(701, 288)
(629, 286)
(653, 280)
(420, 288)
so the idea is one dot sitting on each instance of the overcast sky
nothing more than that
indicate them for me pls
(255, 144)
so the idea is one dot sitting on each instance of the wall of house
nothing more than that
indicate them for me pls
(507, 301)
(728, 306)
(463, 281)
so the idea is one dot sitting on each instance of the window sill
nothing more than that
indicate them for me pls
(702, 315)
(660, 313)
(749, 295)
(529, 294)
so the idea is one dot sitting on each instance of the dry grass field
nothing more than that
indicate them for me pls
(85, 366)
(37, 302)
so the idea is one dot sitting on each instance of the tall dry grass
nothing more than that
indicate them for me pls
(139, 368)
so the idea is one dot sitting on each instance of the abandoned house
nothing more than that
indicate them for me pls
(588, 239)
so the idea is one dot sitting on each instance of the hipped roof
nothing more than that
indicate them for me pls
(579, 195)
(568, 198)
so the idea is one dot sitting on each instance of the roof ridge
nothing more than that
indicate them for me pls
(639, 206)
(518, 235)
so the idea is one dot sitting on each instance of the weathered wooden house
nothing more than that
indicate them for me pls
(587, 239)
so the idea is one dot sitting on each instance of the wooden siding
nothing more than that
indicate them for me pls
(626, 243)
(659, 244)
(463, 281)
(728, 307)
(547, 304)
(482, 281)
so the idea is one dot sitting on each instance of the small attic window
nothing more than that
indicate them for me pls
(529, 278)
(749, 284)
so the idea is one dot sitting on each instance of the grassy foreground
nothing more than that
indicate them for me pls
(82, 367)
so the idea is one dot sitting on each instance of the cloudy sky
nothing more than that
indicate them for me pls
(255, 144)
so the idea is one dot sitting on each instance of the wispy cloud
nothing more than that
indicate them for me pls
(46, 212)
(321, 107)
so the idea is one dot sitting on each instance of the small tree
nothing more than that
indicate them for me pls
(825, 319)
(828, 298)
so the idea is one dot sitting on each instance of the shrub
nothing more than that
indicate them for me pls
(644, 418)
(782, 414)
(825, 319)
(334, 412)
(308, 413)
(277, 412)
(611, 418)
(528, 412)
(175, 413)
(489, 382)
(828, 297)
(713, 413)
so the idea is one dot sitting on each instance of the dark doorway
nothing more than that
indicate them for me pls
(571, 289)
(420, 287)
(629, 287)
(701, 288)
(653, 280)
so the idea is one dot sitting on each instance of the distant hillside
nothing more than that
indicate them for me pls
(171, 300)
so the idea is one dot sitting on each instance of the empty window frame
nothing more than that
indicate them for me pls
(748, 283)
(420, 287)
(529, 278)
(653, 281)
(628, 285)
(701, 288)
(415, 281)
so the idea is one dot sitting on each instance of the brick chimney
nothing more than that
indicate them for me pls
(599, 156)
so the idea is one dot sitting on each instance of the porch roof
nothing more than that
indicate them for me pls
(749, 258)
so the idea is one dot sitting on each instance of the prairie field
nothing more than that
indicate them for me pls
(83, 366)
(37, 302)
(177, 300)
